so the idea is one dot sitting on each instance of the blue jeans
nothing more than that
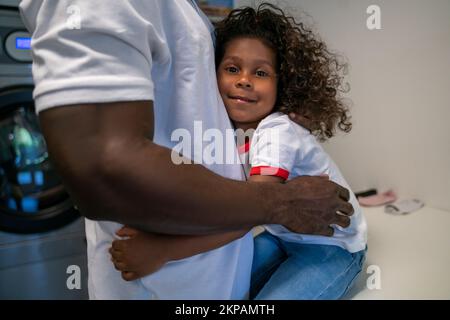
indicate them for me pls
(292, 271)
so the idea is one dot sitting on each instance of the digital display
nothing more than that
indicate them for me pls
(23, 43)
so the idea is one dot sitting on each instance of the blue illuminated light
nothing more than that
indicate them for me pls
(29, 204)
(39, 178)
(24, 177)
(23, 43)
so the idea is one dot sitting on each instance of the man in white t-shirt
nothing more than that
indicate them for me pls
(110, 74)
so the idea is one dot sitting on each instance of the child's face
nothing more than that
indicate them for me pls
(247, 81)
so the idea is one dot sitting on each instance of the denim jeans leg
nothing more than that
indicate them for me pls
(268, 255)
(312, 272)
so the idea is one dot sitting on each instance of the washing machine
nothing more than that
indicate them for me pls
(42, 237)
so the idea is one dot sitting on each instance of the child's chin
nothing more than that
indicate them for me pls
(239, 116)
(239, 120)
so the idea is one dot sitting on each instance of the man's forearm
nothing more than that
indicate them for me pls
(115, 173)
(143, 188)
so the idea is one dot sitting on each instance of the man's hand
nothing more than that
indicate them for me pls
(310, 205)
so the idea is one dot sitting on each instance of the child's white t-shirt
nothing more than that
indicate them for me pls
(280, 147)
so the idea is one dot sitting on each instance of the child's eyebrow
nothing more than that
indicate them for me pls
(256, 61)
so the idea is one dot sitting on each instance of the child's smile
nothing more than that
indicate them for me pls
(247, 81)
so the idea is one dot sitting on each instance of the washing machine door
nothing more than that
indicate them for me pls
(32, 197)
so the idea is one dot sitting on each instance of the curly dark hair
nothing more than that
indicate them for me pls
(310, 77)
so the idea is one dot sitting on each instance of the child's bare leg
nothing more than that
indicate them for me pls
(145, 253)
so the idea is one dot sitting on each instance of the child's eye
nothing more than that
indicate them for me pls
(232, 69)
(261, 73)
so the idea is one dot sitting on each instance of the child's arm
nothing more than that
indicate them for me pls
(144, 253)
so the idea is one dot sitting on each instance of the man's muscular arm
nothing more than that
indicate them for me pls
(114, 172)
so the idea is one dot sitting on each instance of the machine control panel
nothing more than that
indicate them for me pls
(18, 46)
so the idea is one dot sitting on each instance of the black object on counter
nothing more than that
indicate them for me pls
(367, 193)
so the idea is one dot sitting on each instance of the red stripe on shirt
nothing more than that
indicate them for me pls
(269, 171)
(244, 148)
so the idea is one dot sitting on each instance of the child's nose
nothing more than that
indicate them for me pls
(244, 82)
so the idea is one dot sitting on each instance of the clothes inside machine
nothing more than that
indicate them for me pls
(42, 239)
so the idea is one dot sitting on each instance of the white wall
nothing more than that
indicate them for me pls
(400, 88)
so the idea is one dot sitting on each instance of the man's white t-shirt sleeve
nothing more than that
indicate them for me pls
(89, 52)
(274, 148)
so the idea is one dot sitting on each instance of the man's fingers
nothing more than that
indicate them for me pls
(342, 221)
(344, 193)
(346, 208)
(328, 232)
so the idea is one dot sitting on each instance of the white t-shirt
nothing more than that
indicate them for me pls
(108, 51)
(280, 147)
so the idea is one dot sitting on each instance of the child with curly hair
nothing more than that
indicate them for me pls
(270, 66)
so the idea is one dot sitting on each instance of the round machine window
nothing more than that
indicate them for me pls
(32, 197)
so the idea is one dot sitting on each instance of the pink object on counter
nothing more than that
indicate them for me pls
(378, 199)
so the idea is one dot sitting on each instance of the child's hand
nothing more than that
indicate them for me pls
(301, 120)
(139, 255)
